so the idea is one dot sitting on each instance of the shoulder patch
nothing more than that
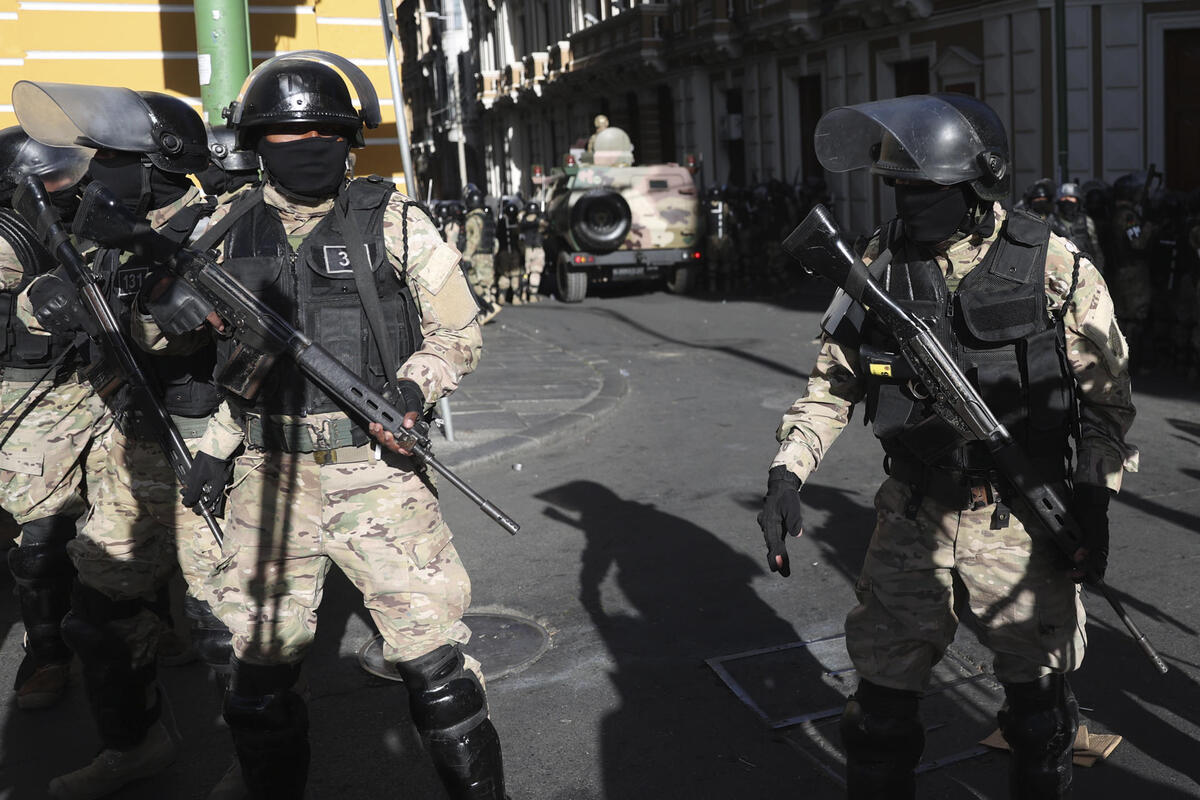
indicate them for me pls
(433, 274)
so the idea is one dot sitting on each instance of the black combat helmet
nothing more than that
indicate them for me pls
(472, 197)
(304, 86)
(1130, 188)
(20, 155)
(165, 129)
(943, 138)
(532, 207)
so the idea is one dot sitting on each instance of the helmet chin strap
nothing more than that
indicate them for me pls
(143, 206)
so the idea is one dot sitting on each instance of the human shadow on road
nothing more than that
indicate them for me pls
(664, 594)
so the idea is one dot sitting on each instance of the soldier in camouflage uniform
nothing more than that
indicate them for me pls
(1132, 237)
(509, 272)
(311, 489)
(531, 229)
(1071, 221)
(52, 421)
(126, 552)
(721, 250)
(479, 250)
(942, 514)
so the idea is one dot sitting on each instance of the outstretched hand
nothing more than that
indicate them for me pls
(781, 517)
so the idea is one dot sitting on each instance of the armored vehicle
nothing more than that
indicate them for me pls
(611, 221)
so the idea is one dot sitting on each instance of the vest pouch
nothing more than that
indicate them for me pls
(1050, 386)
(997, 375)
(258, 274)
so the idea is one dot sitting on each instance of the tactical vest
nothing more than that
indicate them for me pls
(487, 232)
(19, 348)
(997, 328)
(313, 287)
(530, 228)
(188, 389)
(1076, 230)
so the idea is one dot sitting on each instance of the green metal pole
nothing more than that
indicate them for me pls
(1060, 54)
(222, 53)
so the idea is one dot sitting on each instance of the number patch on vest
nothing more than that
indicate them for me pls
(129, 281)
(337, 259)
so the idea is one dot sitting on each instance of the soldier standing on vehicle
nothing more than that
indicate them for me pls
(311, 487)
(137, 531)
(1071, 221)
(1132, 237)
(600, 123)
(480, 250)
(52, 423)
(942, 515)
(531, 228)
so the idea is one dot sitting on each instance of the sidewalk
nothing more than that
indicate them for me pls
(526, 392)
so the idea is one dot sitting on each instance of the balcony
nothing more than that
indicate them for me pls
(512, 80)
(487, 87)
(537, 67)
(561, 61)
(631, 42)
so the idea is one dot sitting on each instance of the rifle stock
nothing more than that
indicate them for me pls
(820, 247)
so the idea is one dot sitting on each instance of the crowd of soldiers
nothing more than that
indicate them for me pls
(502, 245)
(744, 231)
(127, 403)
(1145, 239)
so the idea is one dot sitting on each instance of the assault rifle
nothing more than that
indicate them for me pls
(819, 246)
(118, 363)
(260, 333)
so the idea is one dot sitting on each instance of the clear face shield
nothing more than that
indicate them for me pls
(97, 117)
(58, 167)
(919, 137)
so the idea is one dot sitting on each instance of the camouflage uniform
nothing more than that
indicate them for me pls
(532, 227)
(904, 619)
(291, 514)
(480, 260)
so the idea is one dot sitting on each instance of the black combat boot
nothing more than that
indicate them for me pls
(1039, 720)
(884, 738)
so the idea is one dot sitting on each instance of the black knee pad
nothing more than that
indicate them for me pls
(446, 700)
(269, 723)
(1039, 720)
(44, 573)
(212, 640)
(883, 736)
(117, 691)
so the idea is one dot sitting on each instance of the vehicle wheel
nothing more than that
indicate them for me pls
(683, 279)
(572, 285)
(600, 220)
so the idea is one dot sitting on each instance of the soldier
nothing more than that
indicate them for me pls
(310, 488)
(721, 248)
(1071, 221)
(600, 123)
(480, 250)
(127, 549)
(452, 229)
(229, 168)
(942, 516)
(531, 229)
(509, 285)
(1132, 238)
(52, 421)
(1039, 198)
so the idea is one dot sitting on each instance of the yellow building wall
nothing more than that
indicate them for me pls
(152, 47)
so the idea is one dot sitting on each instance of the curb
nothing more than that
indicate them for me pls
(613, 388)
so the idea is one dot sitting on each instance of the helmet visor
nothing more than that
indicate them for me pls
(368, 100)
(919, 136)
(58, 167)
(68, 114)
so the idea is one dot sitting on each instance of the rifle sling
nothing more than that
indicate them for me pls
(368, 294)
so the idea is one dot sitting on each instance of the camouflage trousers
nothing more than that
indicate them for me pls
(136, 533)
(535, 265)
(289, 518)
(48, 446)
(482, 275)
(721, 263)
(1028, 609)
(509, 277)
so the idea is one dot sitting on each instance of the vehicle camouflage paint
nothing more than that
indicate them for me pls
(612, 221)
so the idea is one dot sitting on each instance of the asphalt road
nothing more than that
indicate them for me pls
(640, 555)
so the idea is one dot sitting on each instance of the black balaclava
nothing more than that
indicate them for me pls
(310, 169)
(932, 213)
(1069, 209)
(138, 184)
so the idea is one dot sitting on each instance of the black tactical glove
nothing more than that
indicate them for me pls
(411, 397)
(57, 306)
(780, 516)
(1091, 511)
(174, 304)
(205, 483)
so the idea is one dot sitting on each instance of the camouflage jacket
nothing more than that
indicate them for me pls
(11, 271)
(1096, 352)
(473, 233)
(452, 341)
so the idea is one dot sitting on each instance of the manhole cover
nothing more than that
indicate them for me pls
(502, 643)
